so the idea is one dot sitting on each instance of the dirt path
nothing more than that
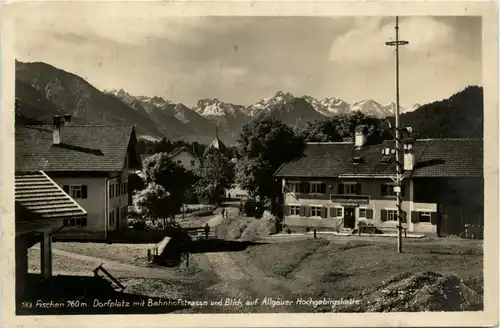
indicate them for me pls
(119, 269)
(239, 278)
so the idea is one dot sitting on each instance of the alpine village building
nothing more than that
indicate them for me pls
(185, 157)
(336, 185)
(91, 164)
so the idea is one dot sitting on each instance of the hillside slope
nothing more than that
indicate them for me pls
(72, 94)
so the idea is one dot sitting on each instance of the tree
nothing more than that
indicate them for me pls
(214, 175)
(265, 144)
(341, 126)
(155, 202)
(161, 170)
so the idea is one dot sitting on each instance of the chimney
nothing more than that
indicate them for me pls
(67, 119)
(409, 154)
(56, 133)
(360, 136)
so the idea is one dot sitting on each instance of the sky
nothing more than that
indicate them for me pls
(245, 59)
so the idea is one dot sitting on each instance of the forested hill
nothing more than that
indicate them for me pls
(459, 116)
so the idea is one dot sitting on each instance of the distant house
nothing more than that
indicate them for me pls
(336, 185)
(42, 208)
(185, 158)
(91, 163)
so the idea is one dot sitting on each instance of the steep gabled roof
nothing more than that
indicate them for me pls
(38, 197)
(434, 158)
(82, 148)
(218, 144)
(179, 150)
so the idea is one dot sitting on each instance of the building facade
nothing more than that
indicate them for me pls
(334, 186)
(91, 164)
(184, 157)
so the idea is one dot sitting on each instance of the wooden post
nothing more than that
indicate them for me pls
(405, 232)
(149, 255)
(46, 255)
(314, 233)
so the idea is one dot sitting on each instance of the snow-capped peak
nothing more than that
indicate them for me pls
(215, 107)
(265, 104)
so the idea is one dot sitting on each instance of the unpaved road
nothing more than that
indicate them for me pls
(240, 279)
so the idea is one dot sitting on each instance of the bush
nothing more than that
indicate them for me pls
(139, 225)
(200, 210)
(271, 223)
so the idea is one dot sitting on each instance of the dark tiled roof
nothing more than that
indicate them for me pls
(38, 196)
(82, 148)
(434, 158)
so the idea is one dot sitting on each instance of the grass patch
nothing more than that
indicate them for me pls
(125, 253)
(281, 259)
(345, 269)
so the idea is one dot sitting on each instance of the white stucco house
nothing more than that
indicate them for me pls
(91, 163)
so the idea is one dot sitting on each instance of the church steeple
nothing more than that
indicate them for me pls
(217, 143)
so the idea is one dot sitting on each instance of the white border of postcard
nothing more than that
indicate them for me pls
(488, 317)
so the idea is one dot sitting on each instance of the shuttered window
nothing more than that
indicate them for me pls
(318, 187)
(293, 210)
(76, 191)
(349, 188)
(336, 212)
(424, 217)
(315, 211)
(366, 213)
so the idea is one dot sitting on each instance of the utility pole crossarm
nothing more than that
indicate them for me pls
(398, 180)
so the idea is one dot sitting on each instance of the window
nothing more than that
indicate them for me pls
(295, 210)
(192, 162)
(424, 217)
(366, 213)
(77, 222)
(350, 188)
(76, 191)
(392, 215)
(315, 210)
(318, 188)
(293, 187)
(388, 189)
(336, 212)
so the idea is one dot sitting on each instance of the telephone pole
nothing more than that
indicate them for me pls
(399, 177)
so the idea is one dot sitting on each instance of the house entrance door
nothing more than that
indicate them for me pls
(349, 218)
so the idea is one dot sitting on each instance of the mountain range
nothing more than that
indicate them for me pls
(43, 90)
